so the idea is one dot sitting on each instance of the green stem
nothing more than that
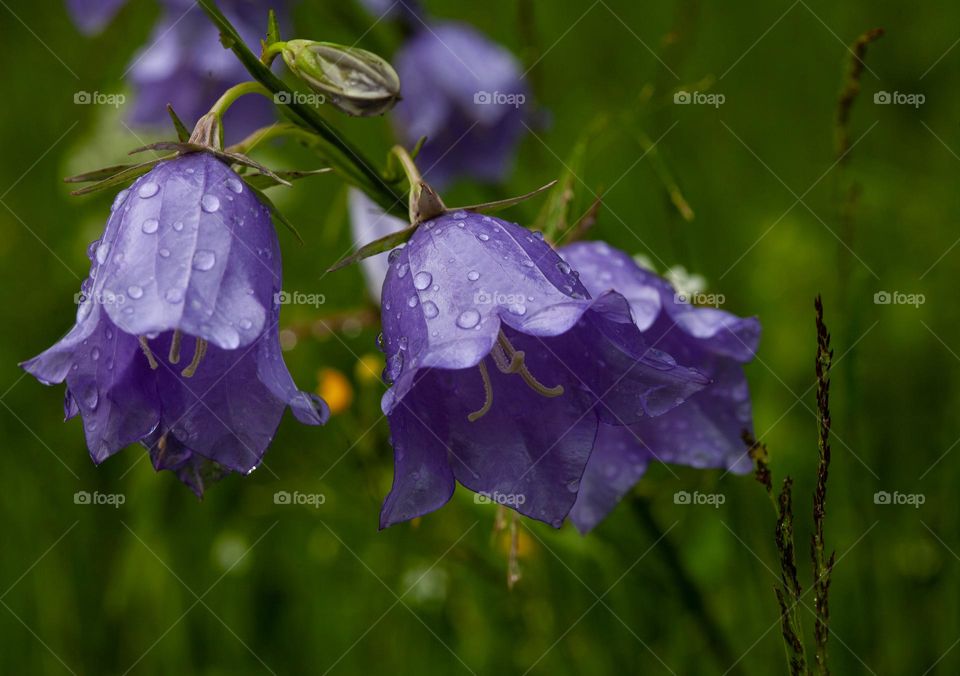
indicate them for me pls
(372, 183)
(229, 97)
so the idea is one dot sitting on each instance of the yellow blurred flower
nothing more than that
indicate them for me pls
(335, 389)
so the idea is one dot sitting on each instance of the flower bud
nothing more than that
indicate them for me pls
(356, 81)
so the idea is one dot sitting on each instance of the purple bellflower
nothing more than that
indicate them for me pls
(176, 342)
(92, 16)
(501, 367)
(705, 431)
(183, 63)
(466, 94)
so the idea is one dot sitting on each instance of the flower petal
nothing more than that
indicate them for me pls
(193, 251)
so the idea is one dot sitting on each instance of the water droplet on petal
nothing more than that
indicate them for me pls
(412, 301)
(118, 200)
(563, 267)
(538, 235)
(174, 296)
(135, 291)
(245, 324)
(468, 319)
(204, 259)
(430, 309)
(148, 189)
(402, 270)
(95, 353)
(235, 185)
(422, 280)
(164, 253)
(473, 275)
(102, 251)
(483, 237)
(209, 203)
(150, 226)
(178, 226)
(517, 309)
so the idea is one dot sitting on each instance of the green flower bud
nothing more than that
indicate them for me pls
(355, 81)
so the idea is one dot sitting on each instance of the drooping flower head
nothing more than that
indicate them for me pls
(705, 431)
(184, 64)
(502, 366)
(92, 16)
(175, 343)
(467, 95)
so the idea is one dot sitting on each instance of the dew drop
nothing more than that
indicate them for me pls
(412, 301)
(204, 259)
(422, 280)
(178, 226)
(148, 189)
(150, 226)
(473, 275)
(468, 319)
(174, 296)
(118, 200)
(430, 309)
(245, 324)
(135, 291)
(483, 237)
(563, 267)
(402, 270)
(95, 353)
(235, 185)
(102, 251)
(164, 253)
(209, 203)
(517, 309)
(538, 235)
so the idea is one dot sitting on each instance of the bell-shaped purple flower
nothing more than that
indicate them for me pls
(466, 94)
(185, 65)
(502, 366)
(176, 342)
(92, 16)
(705, 431)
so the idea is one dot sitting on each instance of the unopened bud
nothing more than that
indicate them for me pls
(354, 80)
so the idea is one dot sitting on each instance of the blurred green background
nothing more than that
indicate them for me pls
(238, 584)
